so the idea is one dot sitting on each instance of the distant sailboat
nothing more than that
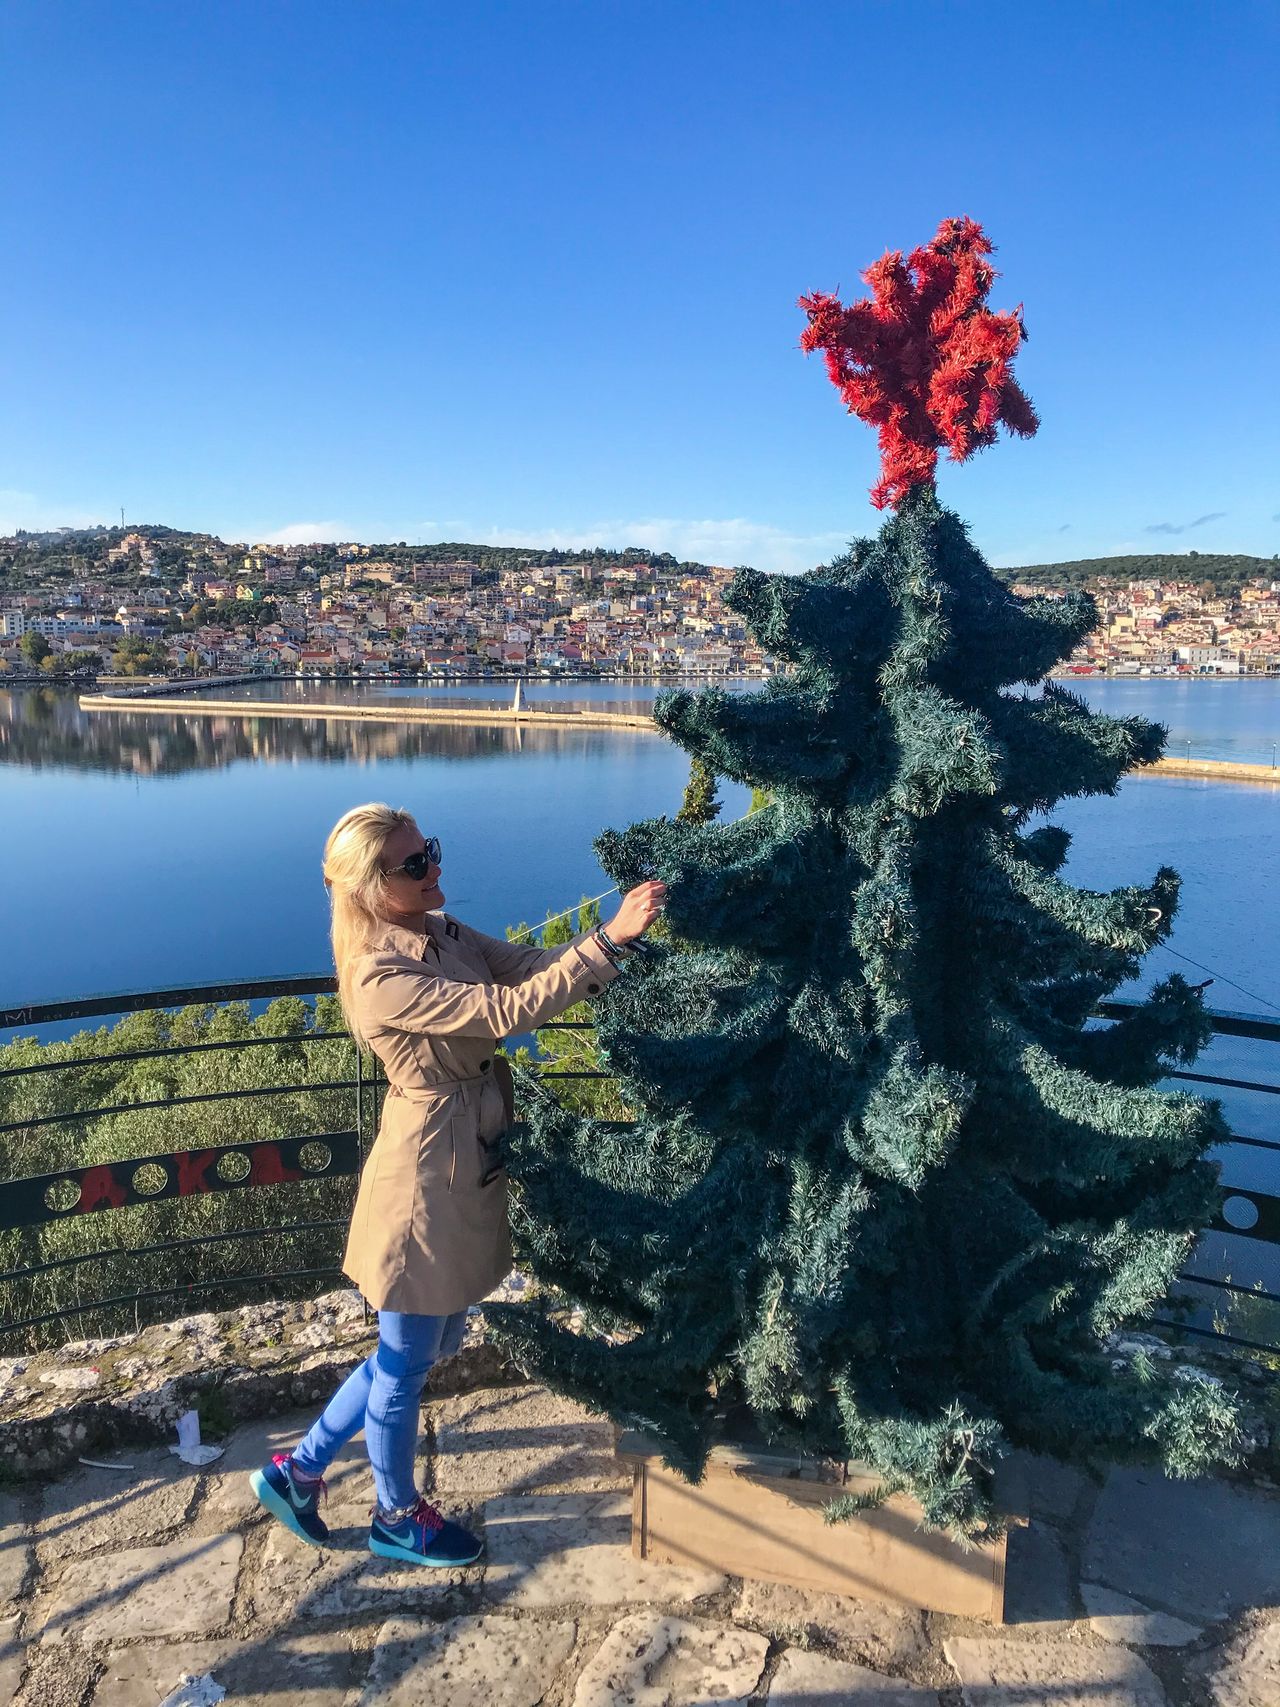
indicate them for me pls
(517, 704)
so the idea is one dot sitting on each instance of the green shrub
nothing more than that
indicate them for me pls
(203, 1274)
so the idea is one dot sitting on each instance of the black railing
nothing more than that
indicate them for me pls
(293, 1255)
(36, 1211)
(1246, 1232)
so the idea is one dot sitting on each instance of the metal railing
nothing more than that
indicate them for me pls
(31, 1206)
(34, 1205)
(1248, 1224)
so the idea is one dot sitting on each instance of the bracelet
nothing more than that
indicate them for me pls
(612, 950)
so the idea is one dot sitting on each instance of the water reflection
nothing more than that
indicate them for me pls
(45, 729)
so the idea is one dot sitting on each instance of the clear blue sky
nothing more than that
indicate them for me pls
(527, 272)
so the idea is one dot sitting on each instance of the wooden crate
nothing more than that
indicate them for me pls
(760, 1514)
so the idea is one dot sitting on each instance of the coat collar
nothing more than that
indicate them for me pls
(397, 939)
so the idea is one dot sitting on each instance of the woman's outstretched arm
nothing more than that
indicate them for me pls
(396, 993)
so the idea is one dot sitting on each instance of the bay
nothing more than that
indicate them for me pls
(143, 850)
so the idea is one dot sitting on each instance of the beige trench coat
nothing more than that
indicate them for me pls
(428, 1236)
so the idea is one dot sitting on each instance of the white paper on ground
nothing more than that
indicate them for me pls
(193, 1691)
(189, 1448)
(197, 1454)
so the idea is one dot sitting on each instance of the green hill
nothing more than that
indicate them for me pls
(78, 553)
(1223, 574)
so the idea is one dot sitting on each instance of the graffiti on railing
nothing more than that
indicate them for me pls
(182, 1173)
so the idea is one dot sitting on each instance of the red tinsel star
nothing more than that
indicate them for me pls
(925, 361)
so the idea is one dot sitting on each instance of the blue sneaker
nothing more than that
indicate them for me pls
(295, 1502)
(425, 1537)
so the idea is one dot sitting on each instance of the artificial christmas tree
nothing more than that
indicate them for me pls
(889, 1188)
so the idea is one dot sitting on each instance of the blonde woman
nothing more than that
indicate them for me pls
(432, 999)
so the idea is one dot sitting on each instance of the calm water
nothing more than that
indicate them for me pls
(154, 850)
(620, 696)
(1208, 720)
(1205, 719)
(142, 851)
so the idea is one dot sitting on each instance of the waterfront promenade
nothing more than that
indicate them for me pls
(500, 716)
(189, 705)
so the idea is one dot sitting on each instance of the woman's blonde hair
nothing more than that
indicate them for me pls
(357, 888)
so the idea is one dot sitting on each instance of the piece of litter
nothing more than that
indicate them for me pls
(101, 1464)
(193, 1691)
(197, 1454)
(189, 1428)
(189, 1448)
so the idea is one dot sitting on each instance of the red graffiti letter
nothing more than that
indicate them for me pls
(267, 1166)
(100, 1189)
(193, 1165)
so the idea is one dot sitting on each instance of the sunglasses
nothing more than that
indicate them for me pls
(418, 865)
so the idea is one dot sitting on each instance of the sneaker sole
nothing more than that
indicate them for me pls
(385, 1550)
(280, 1508)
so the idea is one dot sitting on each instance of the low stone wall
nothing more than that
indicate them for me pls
(93, 1395)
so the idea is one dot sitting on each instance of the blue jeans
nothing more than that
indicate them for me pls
(381, 1397)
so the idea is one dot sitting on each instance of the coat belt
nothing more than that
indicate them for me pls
(500, 1075)
(427, 1093)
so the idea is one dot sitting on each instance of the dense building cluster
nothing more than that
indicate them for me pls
(339, 608)
(157, 602)
(1154, 627)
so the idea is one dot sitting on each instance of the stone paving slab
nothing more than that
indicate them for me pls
(1202, 1550)
(229, 1497)
(98, 1508)
(12, 1657)
(1054, 1489)
(1007, 1672)
(488, 1661)
(1117, 1618)
(57, 1676)
(310, 1670)
(575, 1549)
(654, 1660)
(515, 1440)
(182, 1589)
(1248, 1673)
(814, 1680)
(1038, 1588)
(15, 1549)
(294, 1580)
(562, 1614)
(890, 1638)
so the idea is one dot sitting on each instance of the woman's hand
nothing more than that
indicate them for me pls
(640, 907)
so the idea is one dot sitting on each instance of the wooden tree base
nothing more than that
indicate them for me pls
(759, 1513)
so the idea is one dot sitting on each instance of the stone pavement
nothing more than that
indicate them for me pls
(115, 1584)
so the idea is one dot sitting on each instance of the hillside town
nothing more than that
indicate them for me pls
(143, 604)
(1166, 628)
(286, 610)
